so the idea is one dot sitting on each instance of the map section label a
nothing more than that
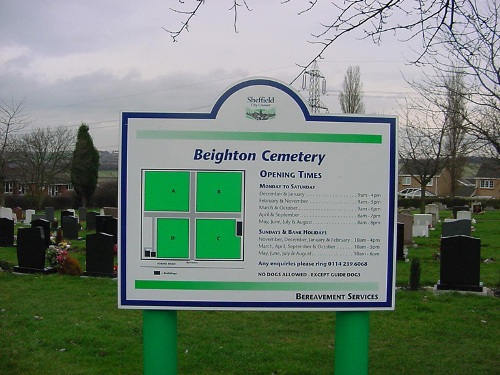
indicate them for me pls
(192, 215)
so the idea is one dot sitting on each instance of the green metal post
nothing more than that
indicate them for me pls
(352, 331)
(159, 329)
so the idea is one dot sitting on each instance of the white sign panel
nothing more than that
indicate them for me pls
(257, 205)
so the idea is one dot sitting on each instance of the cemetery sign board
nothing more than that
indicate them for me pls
(257, 205)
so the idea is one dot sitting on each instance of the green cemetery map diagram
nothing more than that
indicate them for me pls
(192, 215)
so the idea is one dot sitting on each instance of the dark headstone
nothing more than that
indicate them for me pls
(99, 255)
(107, 224)
(66, 213)
(6, 232)
(31, 251)
(70, 227)
(37, 217)
(456, 228)
(460, 264)
(45, 225)
(82, 214)
(90, 222)
(455, 209)
(400, 243)
(49, 214)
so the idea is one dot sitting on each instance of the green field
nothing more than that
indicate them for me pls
(70, 325)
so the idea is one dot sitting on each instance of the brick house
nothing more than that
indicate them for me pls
(488, 179)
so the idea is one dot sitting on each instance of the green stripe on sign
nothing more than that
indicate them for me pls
(260, 136)
(248, 285)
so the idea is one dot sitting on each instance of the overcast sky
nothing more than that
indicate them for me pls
(86, 61)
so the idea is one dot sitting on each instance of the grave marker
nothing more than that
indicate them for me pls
(6, 232)
(50, 214)
(6, 212)
(28, 216)
(31, 251)
(433, 209)
(45, 225)
(90, 223)
(70, 227)
(99, 255)
(455, 227)
(455, 209)
(407, 220)
(460, 264)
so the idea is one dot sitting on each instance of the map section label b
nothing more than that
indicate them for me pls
(192, 215)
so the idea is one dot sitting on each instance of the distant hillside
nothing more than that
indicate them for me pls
(108, 160)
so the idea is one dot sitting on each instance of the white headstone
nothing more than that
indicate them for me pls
(420, 231)
(29, 214)
(6, 212)
(422, 219)
(464, 215)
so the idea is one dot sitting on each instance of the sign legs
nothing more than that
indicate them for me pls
(160, 342)
(352, 331)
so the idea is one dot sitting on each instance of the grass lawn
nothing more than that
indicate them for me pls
(70, 325)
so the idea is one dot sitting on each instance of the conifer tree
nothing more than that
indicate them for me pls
(84, 165)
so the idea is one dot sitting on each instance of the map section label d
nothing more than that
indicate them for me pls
(192, 215)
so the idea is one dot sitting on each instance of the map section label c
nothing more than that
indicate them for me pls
(192, 215)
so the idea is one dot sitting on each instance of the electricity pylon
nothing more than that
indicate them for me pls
(316, 79)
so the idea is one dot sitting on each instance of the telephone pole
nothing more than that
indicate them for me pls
(316, 83)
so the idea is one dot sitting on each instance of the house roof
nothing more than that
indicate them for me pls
(489, 169)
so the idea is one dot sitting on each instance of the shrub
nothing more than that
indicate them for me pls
(106, 194)
(5, 265)
(70, 266)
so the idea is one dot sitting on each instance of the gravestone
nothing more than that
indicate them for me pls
(112, 211)
(477, 207)
(31, 251)
(6, 212)
(440, 205)
(455, 209)
(99, 255)
(460, 264)
(433, 210)
(407, 220)
(6, 232)
(29, 214)
(66, 213)
(18, 211)
(455, 227)
(406, 211)
(82, 214)
(37, 217)
(50, 214)
(90, 223)
(464, 215)
(45, 225)
(421, 224)
(107, 224)
(400, 242)
(70, 227)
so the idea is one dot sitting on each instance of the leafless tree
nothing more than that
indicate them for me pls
(457, 144)
(13, 118)
(421, 145)
(426, 20)
(41, 155)
(351, 95)
(452, 34)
